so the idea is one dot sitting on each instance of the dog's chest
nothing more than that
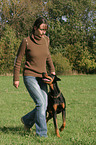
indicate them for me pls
(53, 100)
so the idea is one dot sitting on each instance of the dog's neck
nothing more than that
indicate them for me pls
(54, 89)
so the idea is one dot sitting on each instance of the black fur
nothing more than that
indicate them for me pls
(56, 102)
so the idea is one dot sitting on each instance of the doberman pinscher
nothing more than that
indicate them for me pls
(56, 101)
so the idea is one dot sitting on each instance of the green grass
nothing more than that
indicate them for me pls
(80, 94)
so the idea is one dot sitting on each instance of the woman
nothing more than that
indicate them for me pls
(36, 50)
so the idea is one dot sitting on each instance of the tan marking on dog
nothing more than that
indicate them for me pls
(51, 85)
(55, 107)
(63, 105)
(57, 133)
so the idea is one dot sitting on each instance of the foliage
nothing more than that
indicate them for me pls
(87, 63)
(81, 58)
(9, 45)
(21, 14)
(62, 65)
(72, 28)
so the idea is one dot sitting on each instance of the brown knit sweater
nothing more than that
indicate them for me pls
(36, 51)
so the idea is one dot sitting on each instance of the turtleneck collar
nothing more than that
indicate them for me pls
(36, 39)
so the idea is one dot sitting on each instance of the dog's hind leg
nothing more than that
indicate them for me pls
(63, 117)
(55, 120)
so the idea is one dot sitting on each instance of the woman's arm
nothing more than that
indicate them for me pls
(17, 63)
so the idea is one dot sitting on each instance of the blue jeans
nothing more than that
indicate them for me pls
(38, 91)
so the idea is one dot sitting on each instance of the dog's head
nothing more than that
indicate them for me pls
(50, 79)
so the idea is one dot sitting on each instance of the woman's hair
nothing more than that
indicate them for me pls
(38, 22)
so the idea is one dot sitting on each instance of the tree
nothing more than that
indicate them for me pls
(20, 14)
(71, 27)
(8, 49)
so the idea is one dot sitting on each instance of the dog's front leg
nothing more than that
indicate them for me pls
(55, 120)
(63, 117)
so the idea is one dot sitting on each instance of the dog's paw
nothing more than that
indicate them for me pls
(62, 127)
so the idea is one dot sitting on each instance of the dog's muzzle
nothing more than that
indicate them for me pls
(48, 79)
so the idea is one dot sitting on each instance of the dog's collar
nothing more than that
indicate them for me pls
(56, 96)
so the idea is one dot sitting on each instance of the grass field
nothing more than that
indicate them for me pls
(80, 94)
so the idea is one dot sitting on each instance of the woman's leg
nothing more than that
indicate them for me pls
(38, 91)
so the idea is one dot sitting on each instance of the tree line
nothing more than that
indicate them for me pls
(71, 29)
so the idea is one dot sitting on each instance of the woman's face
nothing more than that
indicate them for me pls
(41, 31)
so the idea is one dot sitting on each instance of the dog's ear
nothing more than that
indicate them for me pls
(57, 79)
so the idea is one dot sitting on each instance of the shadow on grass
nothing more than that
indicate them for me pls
(16, 130)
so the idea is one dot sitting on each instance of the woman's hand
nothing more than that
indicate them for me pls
(53, 73)
(16, 84)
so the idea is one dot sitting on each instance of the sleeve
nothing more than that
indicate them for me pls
(18, 59)
(49, 61)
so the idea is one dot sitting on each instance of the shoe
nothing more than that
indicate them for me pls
(25, 127)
